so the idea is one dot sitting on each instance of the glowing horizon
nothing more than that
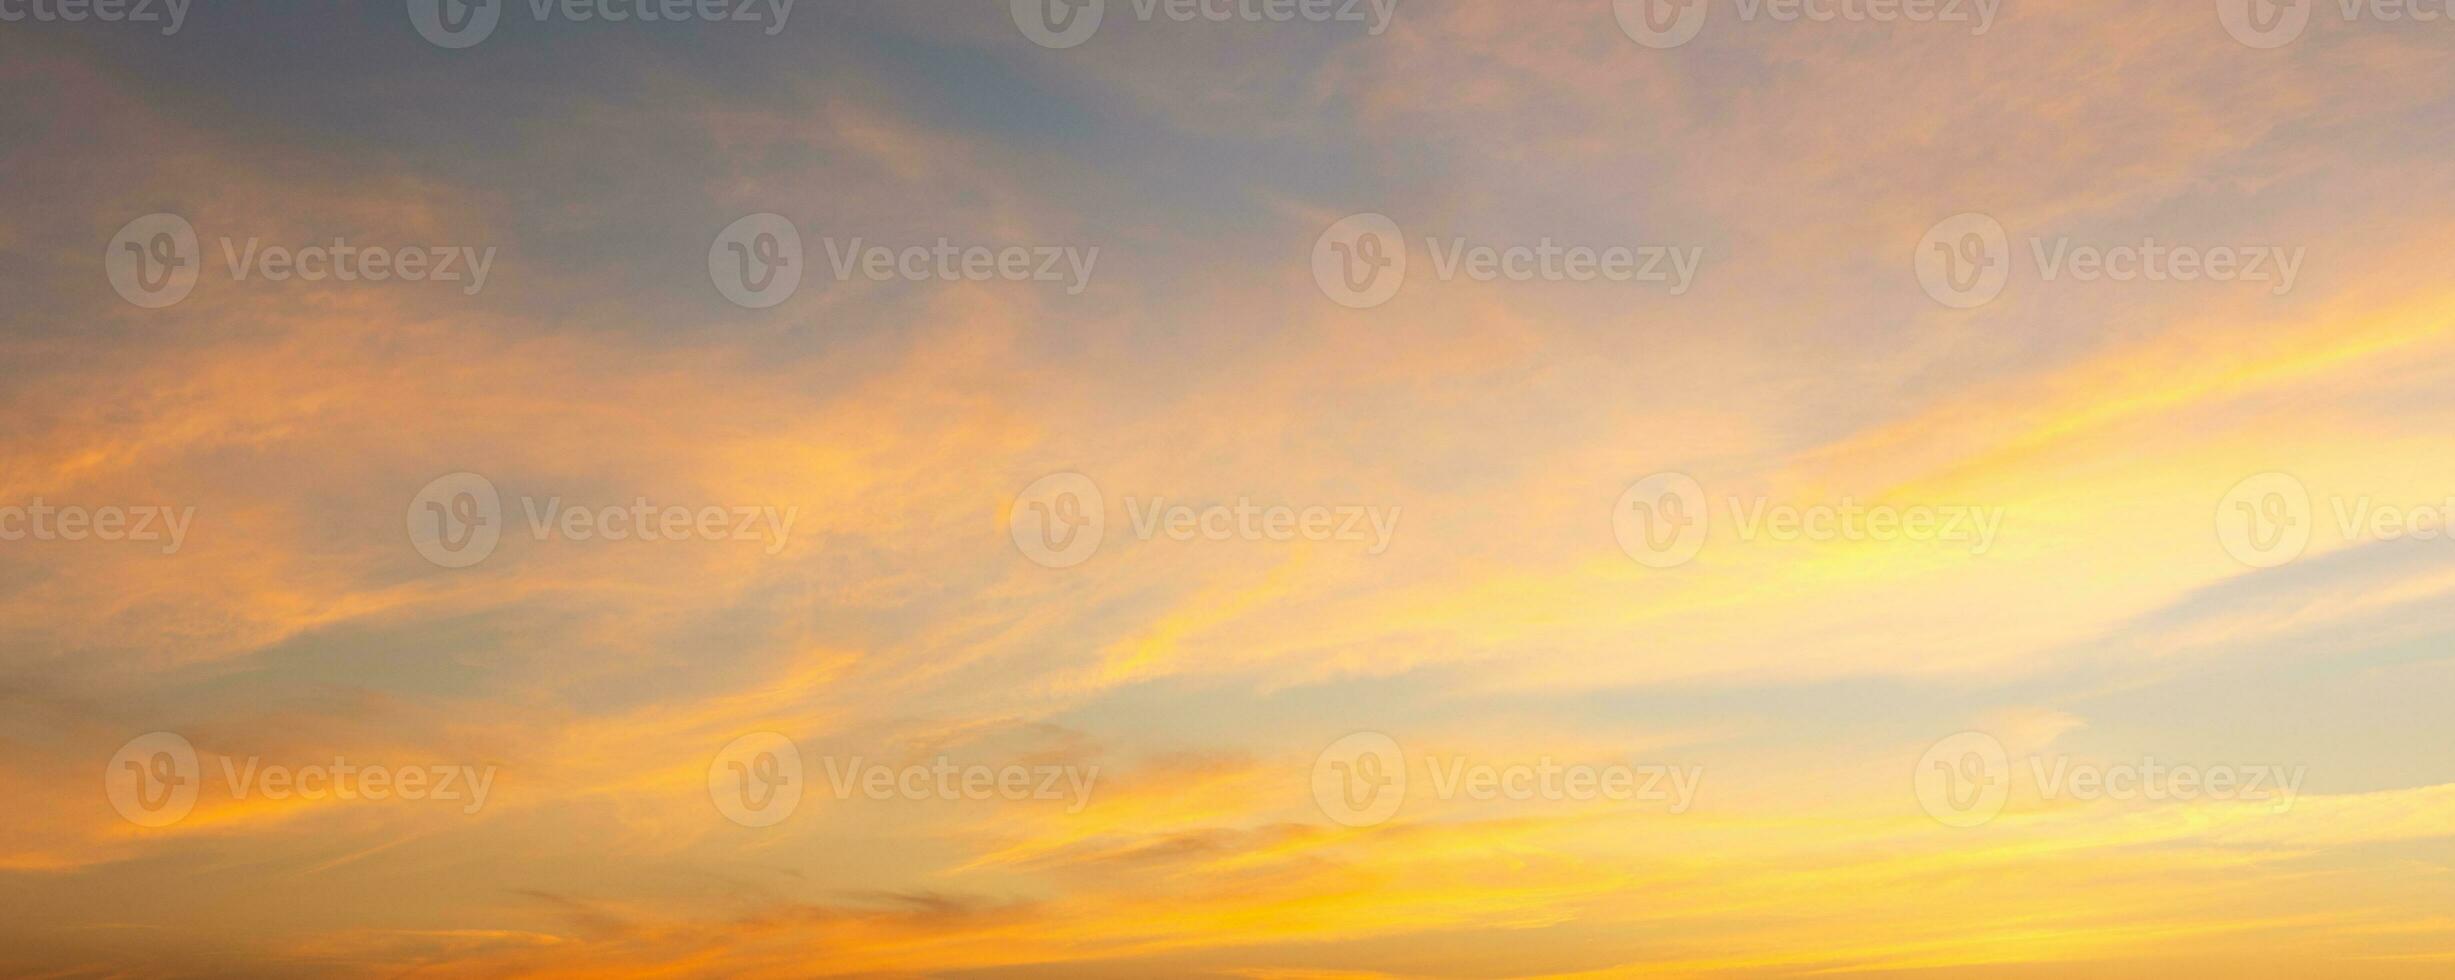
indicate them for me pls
(1270, 490)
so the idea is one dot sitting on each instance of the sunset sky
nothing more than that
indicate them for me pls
(1197, 577)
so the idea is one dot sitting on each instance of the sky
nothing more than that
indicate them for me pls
(1228, 489)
